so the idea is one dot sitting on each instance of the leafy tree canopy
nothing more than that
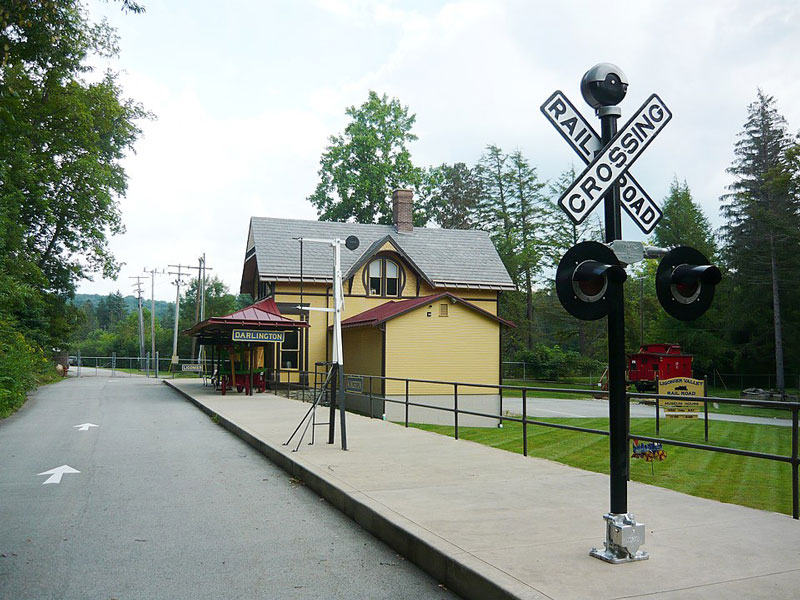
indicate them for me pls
(360, 167)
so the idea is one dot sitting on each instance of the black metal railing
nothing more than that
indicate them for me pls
(313, 379)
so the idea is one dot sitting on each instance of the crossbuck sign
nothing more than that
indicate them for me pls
(609, 165)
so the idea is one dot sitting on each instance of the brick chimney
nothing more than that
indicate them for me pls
(402, 210)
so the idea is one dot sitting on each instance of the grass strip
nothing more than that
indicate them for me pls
(753, 482)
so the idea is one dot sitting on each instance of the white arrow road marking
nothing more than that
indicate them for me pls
(85, 426)
(57, 473)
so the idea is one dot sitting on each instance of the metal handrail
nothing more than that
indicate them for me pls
(792, 407)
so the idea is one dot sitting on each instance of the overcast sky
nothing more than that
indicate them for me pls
(246, 94)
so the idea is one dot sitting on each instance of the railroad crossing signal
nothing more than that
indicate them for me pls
(588, 278)
(616, 158)
(584, 140)
(685, 283)
(590, 275)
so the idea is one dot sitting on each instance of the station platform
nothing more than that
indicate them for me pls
(493, 524)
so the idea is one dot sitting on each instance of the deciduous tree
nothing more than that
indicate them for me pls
(361, 166)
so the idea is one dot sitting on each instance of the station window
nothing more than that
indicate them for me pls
(383, 278)
(443, 308)
(264, 290)
(290, 350)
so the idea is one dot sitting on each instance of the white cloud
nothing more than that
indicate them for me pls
(475, 72)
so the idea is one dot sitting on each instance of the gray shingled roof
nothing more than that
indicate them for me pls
(447, 257)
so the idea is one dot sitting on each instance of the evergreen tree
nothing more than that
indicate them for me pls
(494, 209)
(561, 233)
(526, 203)
(762, 231)
(559, 236)
(684, 223)
(450, 195)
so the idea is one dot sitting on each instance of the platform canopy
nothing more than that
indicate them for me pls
(261, 316)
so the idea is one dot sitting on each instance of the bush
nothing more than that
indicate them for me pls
(543, 362)
(22, 366)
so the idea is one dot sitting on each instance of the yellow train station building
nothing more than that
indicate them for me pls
(420, 303)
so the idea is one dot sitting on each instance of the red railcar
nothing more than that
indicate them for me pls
(664, 361)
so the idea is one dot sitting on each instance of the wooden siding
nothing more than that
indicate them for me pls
(362, 354)
(409, 289)
(458, 333)
(464, 347)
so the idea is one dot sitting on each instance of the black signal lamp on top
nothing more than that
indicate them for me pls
(588, 277)
(685, 283)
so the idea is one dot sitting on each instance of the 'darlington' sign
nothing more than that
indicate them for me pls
(254, 335)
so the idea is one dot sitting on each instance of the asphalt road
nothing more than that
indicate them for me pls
(166, 504)
(598, 408)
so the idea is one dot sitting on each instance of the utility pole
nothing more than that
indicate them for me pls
(138, 286)
(177, 283)
(200, 297)
(153, 273)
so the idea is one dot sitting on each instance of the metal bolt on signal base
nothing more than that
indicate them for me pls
(623, 538)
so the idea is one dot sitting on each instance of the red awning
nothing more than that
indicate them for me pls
(389, 310)
(263, 314)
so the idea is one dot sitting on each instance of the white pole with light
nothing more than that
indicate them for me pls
(351, 243)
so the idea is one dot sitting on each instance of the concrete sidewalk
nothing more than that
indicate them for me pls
(493, 524)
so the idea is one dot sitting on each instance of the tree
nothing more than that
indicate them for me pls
(450, 195)
(494, 209)
(360, 167)
(762, 231)
(561, 233)
(62, 138)
(684, 223)
(526, 211)
(559, 236)
(110, 311)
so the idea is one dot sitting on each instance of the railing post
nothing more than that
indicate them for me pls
(524, 422)
(500, 424)
(406, 402)
(795, 502)
(705, 403)
(455, 407)
(658, 417)
(371, 411)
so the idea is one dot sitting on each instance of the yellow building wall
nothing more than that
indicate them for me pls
(315, 294)
(362, 348)
(409, 289)
(463, 346)
(318, 321)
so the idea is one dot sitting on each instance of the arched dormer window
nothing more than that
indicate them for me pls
(384, 278)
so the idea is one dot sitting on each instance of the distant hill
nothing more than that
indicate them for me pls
(131, 304)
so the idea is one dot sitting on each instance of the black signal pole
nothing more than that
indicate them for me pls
(617, 400)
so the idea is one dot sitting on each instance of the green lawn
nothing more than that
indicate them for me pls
(753, 482)
(728, 409)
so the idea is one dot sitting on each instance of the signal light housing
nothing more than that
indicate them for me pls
(588, 277)
(685, 283)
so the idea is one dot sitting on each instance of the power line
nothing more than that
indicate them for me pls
(138, 286)
(153, 273)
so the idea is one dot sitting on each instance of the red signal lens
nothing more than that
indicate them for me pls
(592, 287)
(687, 290)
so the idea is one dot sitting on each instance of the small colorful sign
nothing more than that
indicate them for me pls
(254, 335)
(686, 387)
(649, 451)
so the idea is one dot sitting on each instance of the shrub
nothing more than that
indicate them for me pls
(22, 365)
